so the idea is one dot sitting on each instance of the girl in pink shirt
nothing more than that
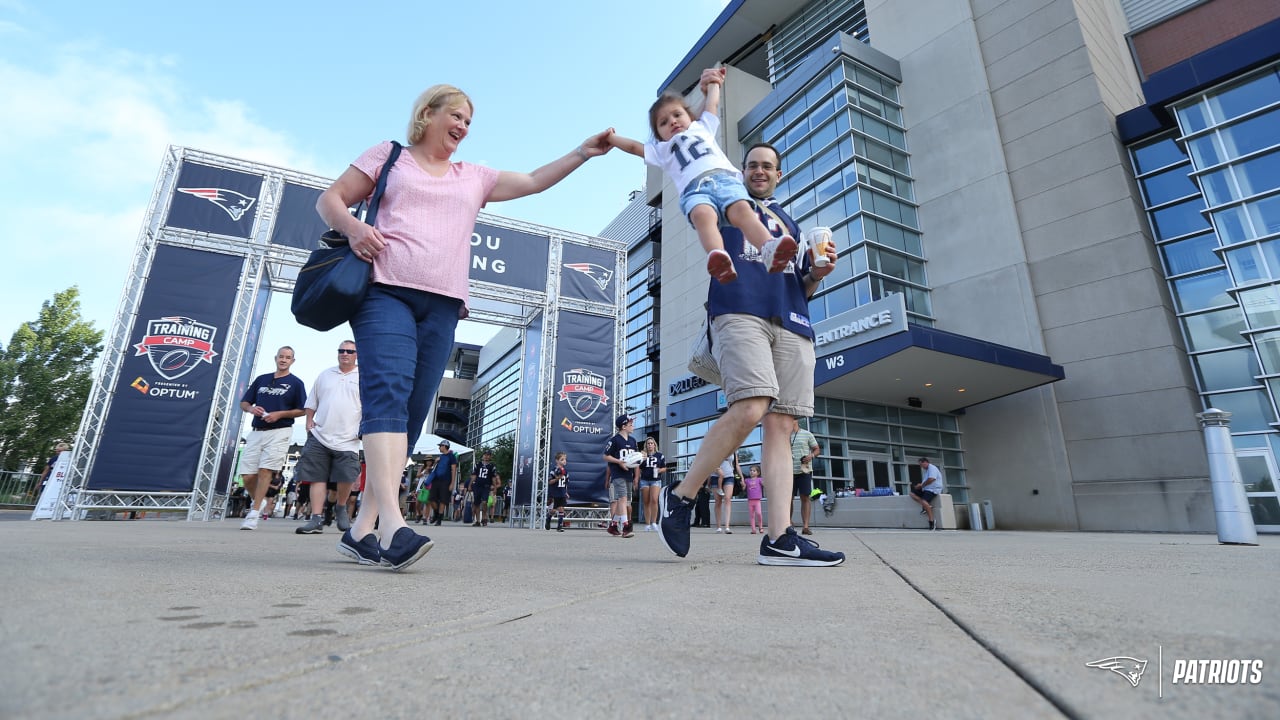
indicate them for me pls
(755, 491)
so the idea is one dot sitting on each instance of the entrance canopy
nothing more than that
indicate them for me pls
(874, 355)
(429, 444)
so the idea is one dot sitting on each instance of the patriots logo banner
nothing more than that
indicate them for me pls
(175, 345)
(214, 200)
(154, 431)
(588, 273)
(231, 201)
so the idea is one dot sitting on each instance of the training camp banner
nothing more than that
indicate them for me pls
(582, 410)
(153, 435)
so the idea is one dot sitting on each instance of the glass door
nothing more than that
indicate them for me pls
(1258, 472)
(865, 471)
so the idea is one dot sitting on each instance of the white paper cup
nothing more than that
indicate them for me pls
(819, 240)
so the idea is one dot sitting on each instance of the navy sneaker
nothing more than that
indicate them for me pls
(673, 527)
(407, 547)
(365, 552)
(797, 551)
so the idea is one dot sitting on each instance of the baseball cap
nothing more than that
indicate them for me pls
(444, 443)
(622, 420)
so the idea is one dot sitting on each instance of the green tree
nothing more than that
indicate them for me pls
(504, 456)
(46, 373)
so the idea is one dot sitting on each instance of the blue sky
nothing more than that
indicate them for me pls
(95, 92)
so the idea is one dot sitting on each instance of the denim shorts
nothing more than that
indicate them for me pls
(718, 188)
(650, 483)
(405, 338)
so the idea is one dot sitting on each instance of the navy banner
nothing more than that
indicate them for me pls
(214, 200)
(509, 257)
(153, 435)
(587, 273)
(582, 412)
(527, 442)
(297, 223)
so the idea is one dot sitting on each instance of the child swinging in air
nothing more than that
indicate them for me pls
(710, 186)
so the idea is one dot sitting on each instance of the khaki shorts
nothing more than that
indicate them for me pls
(760, 358)
(265, 450)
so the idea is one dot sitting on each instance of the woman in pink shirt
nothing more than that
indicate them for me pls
(754, 485)
(420, 251)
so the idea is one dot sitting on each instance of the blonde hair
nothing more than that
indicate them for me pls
(432, 99)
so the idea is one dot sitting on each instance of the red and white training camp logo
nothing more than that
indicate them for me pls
(175, 345)
(584, 391)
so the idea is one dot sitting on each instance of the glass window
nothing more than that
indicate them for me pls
(1216, 329)
(1246, 264)
(1190, 255)
(1268, 345)
(1250, 410)
(1168, 185)
(1253, 134)
(1180, 219)
(1193, 118)
(1258, 175)
(1202, 291)
(1218, 187)
(1233, 224)
(1158, 154)
(1204, 150)
(1226, 369)
(1246, 97)
(1265, 214)
(1261, 306)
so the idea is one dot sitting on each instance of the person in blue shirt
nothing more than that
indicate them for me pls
(273, 399)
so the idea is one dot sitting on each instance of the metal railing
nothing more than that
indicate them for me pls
(19, 490)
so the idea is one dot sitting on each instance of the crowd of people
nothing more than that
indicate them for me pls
(419, 250)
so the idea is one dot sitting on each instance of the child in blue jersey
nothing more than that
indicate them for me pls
(558, 490)
(710, 186)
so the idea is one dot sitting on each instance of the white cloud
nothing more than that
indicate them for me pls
(80, 151)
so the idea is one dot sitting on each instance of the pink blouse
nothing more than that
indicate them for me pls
(427, 221)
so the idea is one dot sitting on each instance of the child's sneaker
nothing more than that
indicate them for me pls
(794, 550)
(778, 252)
(720, 266)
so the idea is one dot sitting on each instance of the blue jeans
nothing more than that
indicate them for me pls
(404, 337)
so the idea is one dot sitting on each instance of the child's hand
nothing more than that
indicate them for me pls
(709, 76)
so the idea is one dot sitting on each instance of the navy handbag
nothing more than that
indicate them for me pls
(333, 283)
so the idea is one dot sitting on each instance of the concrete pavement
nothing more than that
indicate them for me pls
(156, 618)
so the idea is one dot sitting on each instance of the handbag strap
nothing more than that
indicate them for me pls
(372, 213)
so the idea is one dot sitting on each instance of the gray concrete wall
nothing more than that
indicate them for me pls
(1036, 238)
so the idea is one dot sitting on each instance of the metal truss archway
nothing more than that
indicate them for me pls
(272, 266)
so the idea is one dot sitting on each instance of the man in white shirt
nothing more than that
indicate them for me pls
(332, 451)
(929, 487)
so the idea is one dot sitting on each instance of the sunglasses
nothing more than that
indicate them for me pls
(344, 351)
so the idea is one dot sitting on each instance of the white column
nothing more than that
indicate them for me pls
(1230, 506)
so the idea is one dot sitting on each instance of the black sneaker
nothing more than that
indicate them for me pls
(933, 525)
(365, 552)
(673, 527)
(407, 547)
(797, 551)
(314, 526)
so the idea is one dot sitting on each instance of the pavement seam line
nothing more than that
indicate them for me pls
(1050, 697)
